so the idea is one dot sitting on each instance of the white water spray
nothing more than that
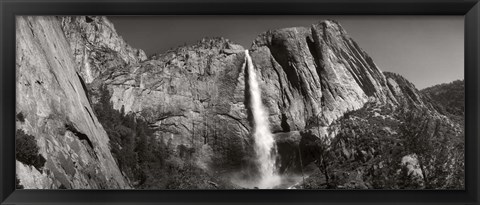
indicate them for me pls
(265, 149)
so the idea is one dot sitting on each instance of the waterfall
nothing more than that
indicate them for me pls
(265, 149)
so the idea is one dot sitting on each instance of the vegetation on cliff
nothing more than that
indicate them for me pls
(448, 99)
(145, 160)
(383, 148)
(26, 150)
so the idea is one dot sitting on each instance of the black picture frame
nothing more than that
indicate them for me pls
(10, 8)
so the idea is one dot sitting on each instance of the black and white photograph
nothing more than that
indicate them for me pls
(236, 102)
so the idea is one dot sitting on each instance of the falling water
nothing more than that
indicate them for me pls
(264, 143)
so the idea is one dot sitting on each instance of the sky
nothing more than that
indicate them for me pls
(427, 50)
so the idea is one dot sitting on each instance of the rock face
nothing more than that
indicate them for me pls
(406, 93)
(97, 48)
(196, 94)
(314, 75)
(191, 96)
(52, 100)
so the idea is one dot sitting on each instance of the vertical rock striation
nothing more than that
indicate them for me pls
(56, 111)
(314, 75)
(97, 47)
(195, 94)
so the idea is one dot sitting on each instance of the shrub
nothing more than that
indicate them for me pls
(20, 117)
(17, 183)
(363, 144)
(26, 150)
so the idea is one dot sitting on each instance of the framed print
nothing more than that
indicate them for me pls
(239, 102)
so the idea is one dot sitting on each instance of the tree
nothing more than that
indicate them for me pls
(26, 150)
(132, 141)
(432, 141)
(416, 139)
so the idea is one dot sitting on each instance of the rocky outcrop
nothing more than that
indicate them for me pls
(406, 93)
(196, 94)
(55, 110)
(410, 162)
(97, 47)
(312, 76)
(193, 95)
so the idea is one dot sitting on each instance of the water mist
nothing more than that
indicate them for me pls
(264, 147)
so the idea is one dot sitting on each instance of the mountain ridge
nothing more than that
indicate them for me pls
(194, 97)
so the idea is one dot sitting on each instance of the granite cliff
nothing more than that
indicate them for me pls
(310, 77)
(195, 97)
(52, 106)
(97, 47)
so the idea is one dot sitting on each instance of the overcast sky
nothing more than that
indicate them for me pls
(427, 50)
